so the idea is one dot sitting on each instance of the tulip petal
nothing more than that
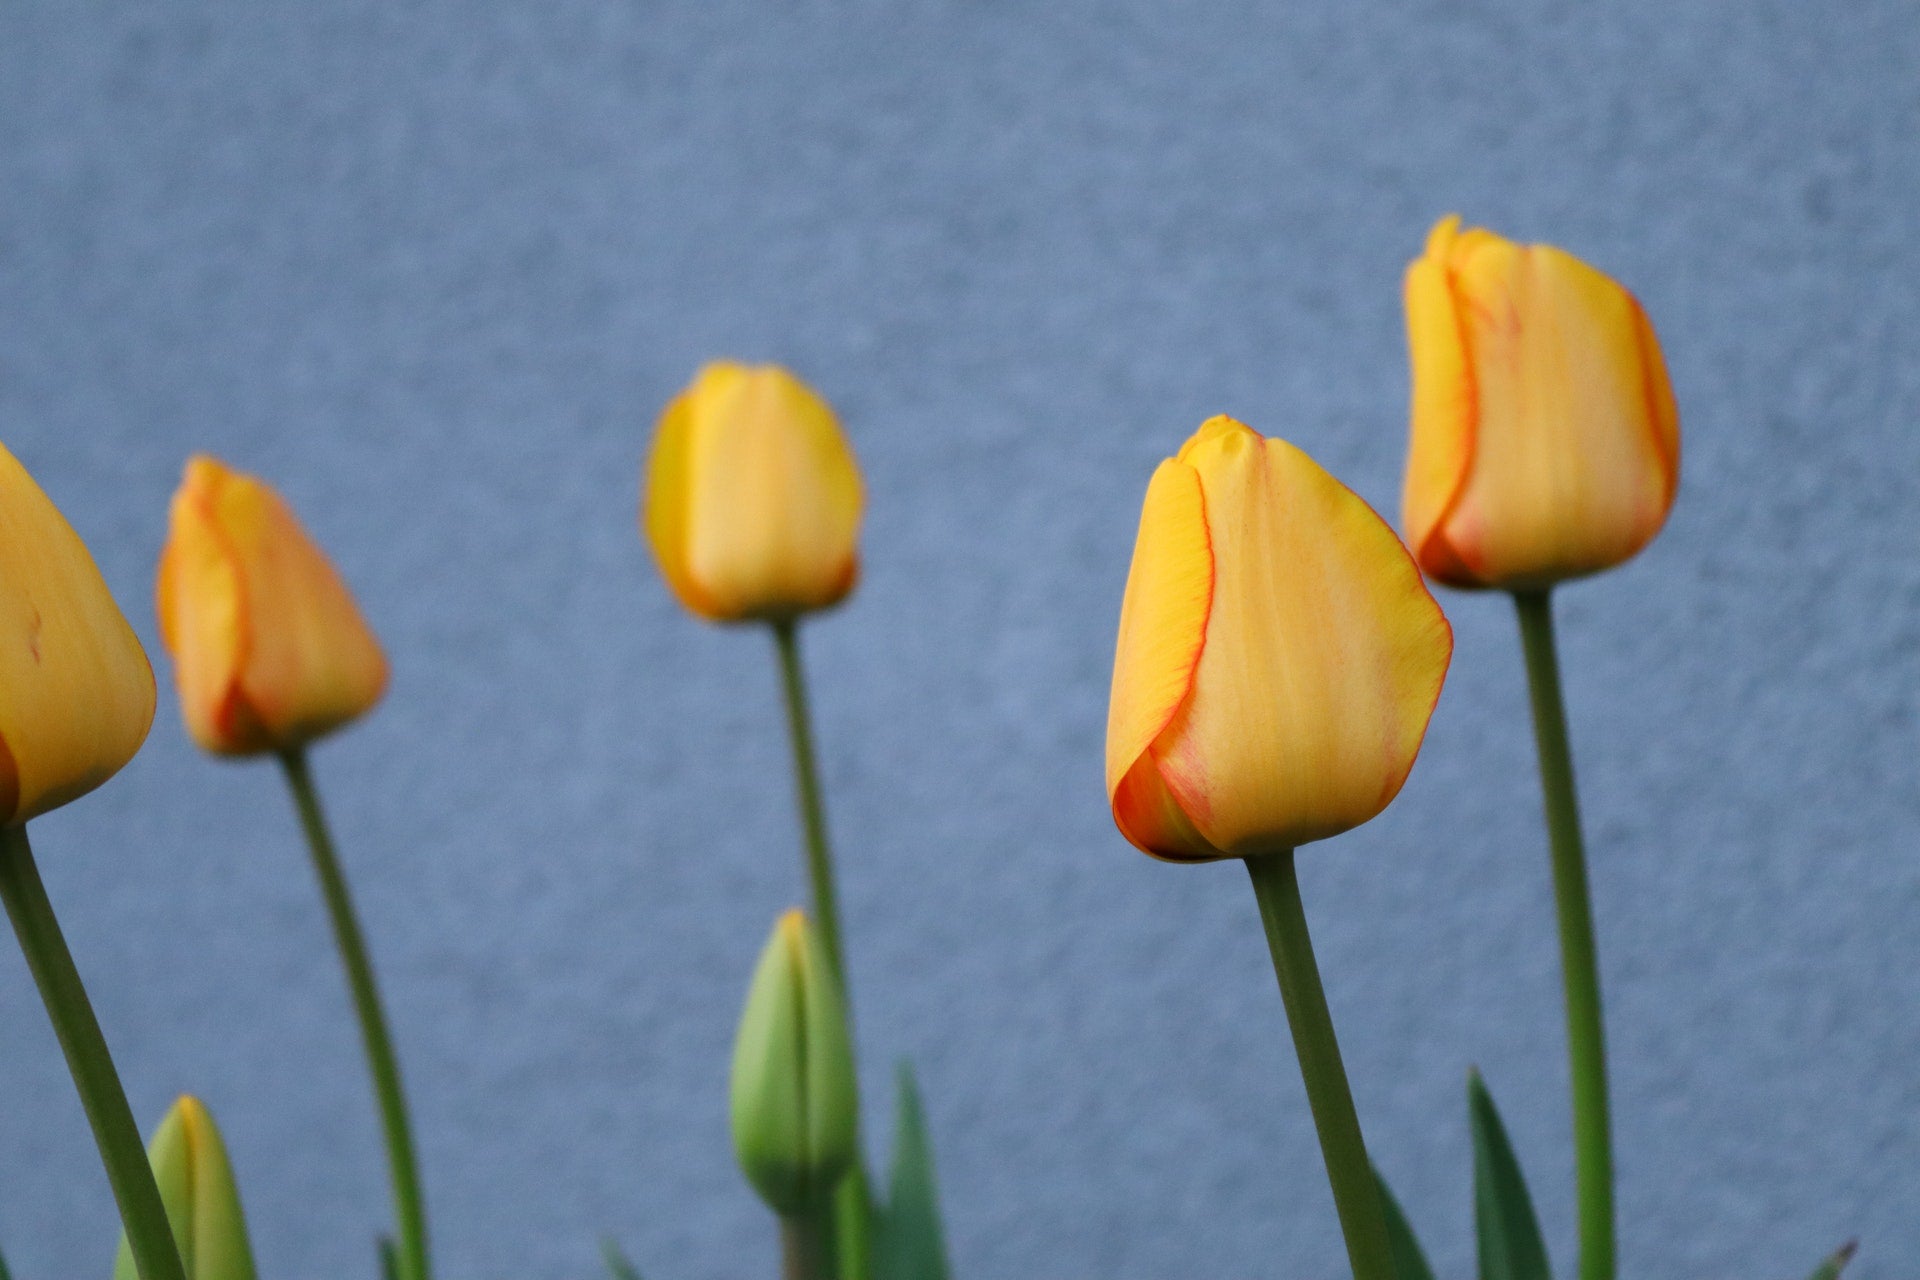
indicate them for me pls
(1150, 818)
(1323, 658)
(773, 494)
(79, 692)
(668, 503)
(1663, 411)
(1440, 447)
(270, 649)
(1163, 618)
(1567, 476)
(203, 620)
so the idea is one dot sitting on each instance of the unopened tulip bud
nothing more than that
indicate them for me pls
(1545, 439)
(269, 649)
(1278, 660)
(793, 1093)
(76, 691)
(203, 1203)
(753, 498)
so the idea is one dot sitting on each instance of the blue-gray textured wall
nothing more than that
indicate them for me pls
(433, 268)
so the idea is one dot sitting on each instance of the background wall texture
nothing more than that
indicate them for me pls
(432, 268)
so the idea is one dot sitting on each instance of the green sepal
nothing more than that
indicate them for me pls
(1509, 1238)
(1409, 1263)
(196, 1184)
(617, 1265)
(909, 1241)
(1831, 1268)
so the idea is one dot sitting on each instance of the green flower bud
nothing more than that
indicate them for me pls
(794, 1102)
(203, 1204)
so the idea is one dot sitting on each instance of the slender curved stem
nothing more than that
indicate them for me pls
(848, 1234)
(1579, 960)
(813, 815)
(409, 1209)
(142, 1212)
(1355, 1193)
(803, 1254)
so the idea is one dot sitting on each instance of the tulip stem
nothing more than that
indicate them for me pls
(813, 815)
(1356, 1194)
(408, 1206)
(1579, 962)
(142, 1211)
(803, 1254)
(852, 1207)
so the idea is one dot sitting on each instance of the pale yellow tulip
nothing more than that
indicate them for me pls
(1278, 660)
(753, 497)
(1545, 439)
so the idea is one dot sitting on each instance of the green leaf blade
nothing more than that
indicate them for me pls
(1409, 1263)
(1836, 1262)
(617, 1265)
(1511, 1247)
(910, 1243)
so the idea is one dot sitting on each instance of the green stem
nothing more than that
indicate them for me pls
(813, 815)
(852, 1207)
(803, 1253)
(142, 1211)
(1579, 962)
(408, 1207)
(1355, 1193)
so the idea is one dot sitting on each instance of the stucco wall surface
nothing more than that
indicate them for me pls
(433, 267)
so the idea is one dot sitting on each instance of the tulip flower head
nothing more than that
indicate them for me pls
(1278, 660)
(753, 498)
(196, 1183)
(78, 688)
(793, 1093)
(269, 649)
(1545, 439)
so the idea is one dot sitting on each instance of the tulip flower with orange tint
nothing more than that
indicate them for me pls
(753, 498)
(269, 649)
(76, 691)
(1278, 660)
(1545, 439)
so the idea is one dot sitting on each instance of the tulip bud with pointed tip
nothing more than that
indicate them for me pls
(1545, 442)
(793, 1092)
(269, 649)
(203, 1203)
(76, 690)
(1278, 660)
(753, 498)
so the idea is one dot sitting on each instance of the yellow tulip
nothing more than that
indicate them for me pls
(1278, 660)
(753, 498)
(269, 649)
(78, 691)
(1545, 439)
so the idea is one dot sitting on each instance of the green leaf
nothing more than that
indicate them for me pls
(617, 1265)
(1408, 1262)
(389, 1259)
(910, 1244)
(1828, 1270)
(1509, 1233)
(4, 1273)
